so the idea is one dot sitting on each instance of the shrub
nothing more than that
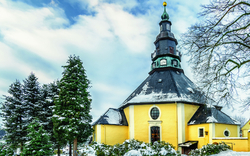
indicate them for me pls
(209, 149)
(155, 149)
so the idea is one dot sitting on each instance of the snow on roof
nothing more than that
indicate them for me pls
(211, 115)
(172, 87)
(211, 119)
(112, 117)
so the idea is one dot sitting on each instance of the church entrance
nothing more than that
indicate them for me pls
(155, 134)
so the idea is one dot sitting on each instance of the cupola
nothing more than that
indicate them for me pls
(165, 53)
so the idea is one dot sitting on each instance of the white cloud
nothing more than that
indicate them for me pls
(114, 44)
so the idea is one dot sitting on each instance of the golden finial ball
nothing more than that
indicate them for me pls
(164, 3)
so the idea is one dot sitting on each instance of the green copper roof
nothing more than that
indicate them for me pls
(165, 16)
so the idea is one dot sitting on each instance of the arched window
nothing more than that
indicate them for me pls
(163, 62)
(153, 65)
(154, 113)
(174, 63)
(155, 134)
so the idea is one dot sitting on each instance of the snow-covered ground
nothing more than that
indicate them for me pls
(224, 153)
(232, 153)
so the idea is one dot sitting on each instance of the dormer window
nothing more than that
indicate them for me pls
(163, 62)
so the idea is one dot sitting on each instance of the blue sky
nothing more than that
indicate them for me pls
(114, 39)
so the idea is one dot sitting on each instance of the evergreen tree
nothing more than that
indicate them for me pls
(13, 116)
(32, 101)
(72, 110)
(38, 141)
(6, 150)
(48, 93)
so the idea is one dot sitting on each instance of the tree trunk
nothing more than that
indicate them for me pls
(21, 148)
(70, 154)
(58, 150)
(75, 147)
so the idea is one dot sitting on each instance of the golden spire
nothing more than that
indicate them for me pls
(165, 16)
(164, 3)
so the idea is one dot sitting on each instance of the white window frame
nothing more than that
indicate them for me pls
(150, 111)
(163, 62)
(228, 132)
(199, 132)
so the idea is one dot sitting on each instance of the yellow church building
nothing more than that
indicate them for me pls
(166, 106)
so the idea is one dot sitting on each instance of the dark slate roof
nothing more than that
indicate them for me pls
(164, 86)
(211, 115)
(112, 117)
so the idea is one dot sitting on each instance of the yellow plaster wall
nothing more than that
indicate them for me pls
(189, 112)
(240, 145)
(126, 112)
(245, 129)
(141, 119)
(103, 137)
(248, 141)
(169, 123)
(220, 128)
(193, 134)
(114, 134)
(168, 117)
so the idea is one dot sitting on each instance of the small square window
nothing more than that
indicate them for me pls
(201, 132)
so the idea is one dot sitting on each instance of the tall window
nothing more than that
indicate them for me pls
(201, 132)
(155, 134)
(154, 113)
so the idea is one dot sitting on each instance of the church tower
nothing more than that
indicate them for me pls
(165, 54)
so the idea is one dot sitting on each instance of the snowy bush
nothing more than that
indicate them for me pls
(128, 148)
(209, 149)
(5, 150)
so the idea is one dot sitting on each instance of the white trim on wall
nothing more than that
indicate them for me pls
(99, 133)
(238, 131)
(131, 122)
(211, 132)
(229, 133)
(150, 111)
(181, 122)
(199, 132)
(158, 124)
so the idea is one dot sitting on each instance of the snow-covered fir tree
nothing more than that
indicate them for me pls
(13, 116)
(38, 143)
(32, 100)
(48, 92)
(72, 110)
